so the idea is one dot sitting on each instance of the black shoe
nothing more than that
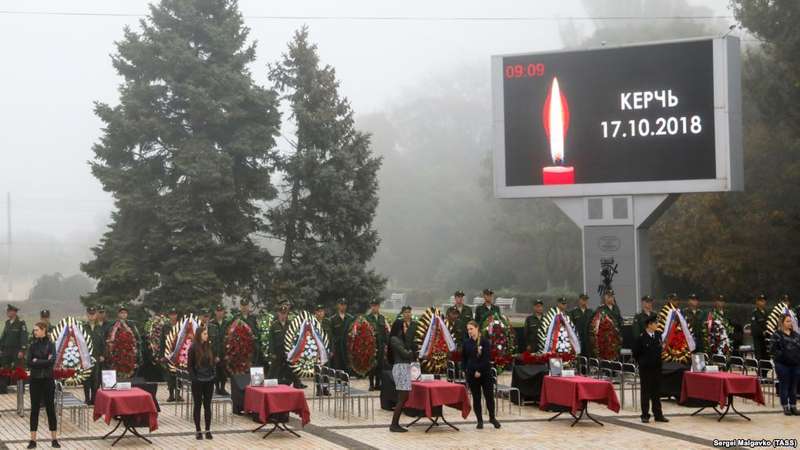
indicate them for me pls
(171, 398)
(794, 411)
(372, 388)
(662, 419)
(208, 435)
(178, 398)
(224, 392)
(397, 429)
(199, 436)
(479, 426)
(31, 444)
(787, 411)
(494, 422)
(55, 444)
(645, 419)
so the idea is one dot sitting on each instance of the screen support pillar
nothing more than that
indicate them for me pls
(614, 232)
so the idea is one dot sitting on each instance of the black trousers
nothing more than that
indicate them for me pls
(43, 391)
(172, 381)
(650, 378)
(201, 393)
(476, 385)
(221, 374)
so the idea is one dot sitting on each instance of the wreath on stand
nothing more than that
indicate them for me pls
(122, 350)
(306, 344)
(676, 336)
(604, 337)
(557, 334)
(435, 341)
(265, 334)
(179, 341)
(153, 329)
(361, 346)
(74, 361)
(502, 339)
(716, 334)
(239, 347)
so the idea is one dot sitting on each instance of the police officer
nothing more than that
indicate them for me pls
(758, 325)
(464, 314)
(487, 308)
(279, 366)
(647, 352)
(640, 318)
(378, 322)
(13, 344)
(340, 325)
(217, 328)
(695, 318)
(96, 331)
(581, 317)
(170, 376)
(248, 317)
(532, 325)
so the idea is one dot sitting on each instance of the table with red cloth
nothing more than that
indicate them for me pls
(128, 407)
(719, 388)
(573, 394)
(271, 402)
(430, 396)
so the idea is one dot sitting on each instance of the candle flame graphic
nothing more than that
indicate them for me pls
(556, 121)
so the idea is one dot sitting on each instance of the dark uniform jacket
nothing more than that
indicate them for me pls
(581, 320)
(474, 362)
(483, 311)
(460, 325)
(216, 334)
(339, 329)
(696, 321)
(647, 350)
(758, 325)
(639, 322)
(378, 322)
(13, 341)
(614, 313)
(97, 333)
(532, 325)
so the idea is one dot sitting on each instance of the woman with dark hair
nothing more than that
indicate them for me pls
(401, 344)
(785, 349)
(477, 366)
(41, 357)
(202, 371)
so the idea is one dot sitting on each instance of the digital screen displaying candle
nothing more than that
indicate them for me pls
(619, 120)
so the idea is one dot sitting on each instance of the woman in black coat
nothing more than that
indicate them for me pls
(41, 357)
(202, 371)
(785, 349)
(477, 366)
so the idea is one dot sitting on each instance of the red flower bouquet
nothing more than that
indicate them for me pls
(501, 337)
(361, 346)
(605, 339)
(544, 358)
(123, 351)
(239, 347)
(63, 374)
(15, 374)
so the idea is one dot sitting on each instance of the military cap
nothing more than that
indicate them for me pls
(610, 292)
(562, 300)
(244, 302)
(220, 307)
(173, 311)
(283, 306)
(341, 301)
(375, 301)
(11, 307)
(583, 296)
(458, 293)
(44, 313)
(91, 310)
(319, 306)
(452, 309)
(672, 296)
(101, 309)
(405, 308)
(538, 302)
(122, 308)
(761, 297)
(647, 298)
(488, 291)
(694, 297)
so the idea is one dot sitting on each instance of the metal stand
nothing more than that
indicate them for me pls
(127, 428)
(434, 422)
(277, 426)
(584, 411)
(725, 412)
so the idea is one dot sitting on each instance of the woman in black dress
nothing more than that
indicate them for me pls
(477, 366)
(202, 371)
(41, 357)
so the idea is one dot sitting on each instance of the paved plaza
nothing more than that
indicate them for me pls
(526, 429)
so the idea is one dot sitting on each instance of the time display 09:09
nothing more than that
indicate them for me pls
(662, 126)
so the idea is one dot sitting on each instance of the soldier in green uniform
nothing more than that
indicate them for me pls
(719, 306)
(758, 325)
(44, 316)
(205, 316)
(695, 318)
(97, 334)
(319, 314)
(13, 344)
(104, 323)
(487, 308)
(464, 314)
(217, 327)
(171, 377)
(248, 317)
(340, 325)
(532, 325)
(639, 320)
(611, 308)
(581, 317)
(279, 366)
(378, 322)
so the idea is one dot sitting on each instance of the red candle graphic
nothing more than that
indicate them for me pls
(555, 116)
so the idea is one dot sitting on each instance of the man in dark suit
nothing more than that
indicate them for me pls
(647, 351)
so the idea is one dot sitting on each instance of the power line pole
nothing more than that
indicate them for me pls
(8, 242)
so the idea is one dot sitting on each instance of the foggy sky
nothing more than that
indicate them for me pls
(54, 67)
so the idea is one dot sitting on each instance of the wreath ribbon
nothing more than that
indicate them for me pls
(307, 329)
(555, 326)
(62, 343)
(673, 313)
(437, 326)
(189, 326)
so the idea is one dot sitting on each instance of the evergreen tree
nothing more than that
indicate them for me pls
(187, 154)
(325, 220)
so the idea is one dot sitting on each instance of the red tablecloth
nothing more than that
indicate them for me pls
(131, 402)
(425, 395)
(571, 392)
(716, 387)
(273, 400)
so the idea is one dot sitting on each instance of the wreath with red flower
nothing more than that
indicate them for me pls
(435, 361)
(361, 346)
(14, 374)
(716, 334)
(63, 374)
(122, 350)
(501, 337)
(604, 338)
(239, 347)
(544, 358)
(181, 338)
(675, 346)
